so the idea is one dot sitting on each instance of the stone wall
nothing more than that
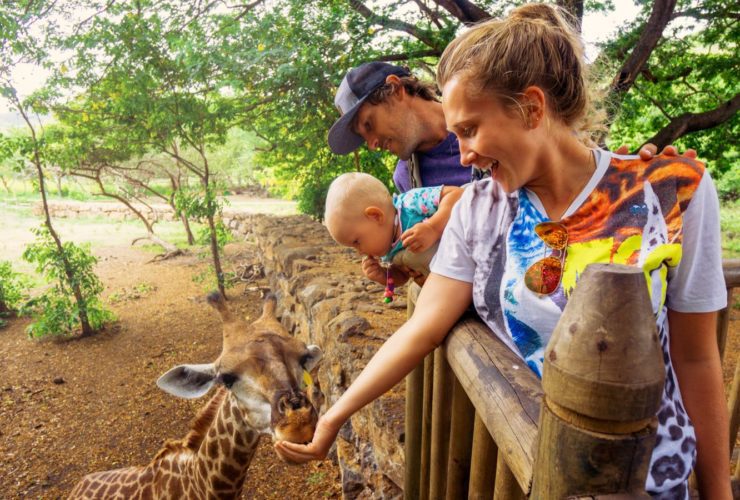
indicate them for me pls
(109, 210)
(325, 300)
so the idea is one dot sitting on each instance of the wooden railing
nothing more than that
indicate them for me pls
(474, 419)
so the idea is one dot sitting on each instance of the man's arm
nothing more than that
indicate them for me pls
(649, 150)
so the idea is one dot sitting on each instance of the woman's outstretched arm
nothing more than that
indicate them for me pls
(441, 303)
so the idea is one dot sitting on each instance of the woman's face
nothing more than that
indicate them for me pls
(491, 136)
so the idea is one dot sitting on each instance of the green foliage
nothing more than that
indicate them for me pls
(730, 229)
(692, 70)
(728, 185)
(56, 311)
(13, 290)
(223, 235)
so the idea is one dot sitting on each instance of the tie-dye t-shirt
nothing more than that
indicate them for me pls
(661, 215)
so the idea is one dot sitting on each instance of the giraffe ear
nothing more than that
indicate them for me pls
(311, 358)
(188, 381)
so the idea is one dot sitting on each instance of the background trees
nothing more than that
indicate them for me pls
(159, 78)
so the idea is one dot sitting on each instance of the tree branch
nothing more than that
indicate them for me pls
(465, 11)
(651, 34)
(692, 122)
(421, 35)
(431, 15)
(410, 55)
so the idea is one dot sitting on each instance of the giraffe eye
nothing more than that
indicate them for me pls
(228, 379)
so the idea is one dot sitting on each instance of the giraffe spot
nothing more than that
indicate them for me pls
(553, 356)
(175, 488)
(239, 439)
(229, 471)
(222, 484)
(213, 449)
(221, 427)
(242, 455)
(230, 428)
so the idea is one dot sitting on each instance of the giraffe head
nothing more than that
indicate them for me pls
(266, 370)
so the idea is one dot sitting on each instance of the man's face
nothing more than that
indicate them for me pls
(389, 126)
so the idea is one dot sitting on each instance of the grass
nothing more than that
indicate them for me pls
(730, 226)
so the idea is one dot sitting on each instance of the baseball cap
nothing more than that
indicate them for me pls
(357, 84)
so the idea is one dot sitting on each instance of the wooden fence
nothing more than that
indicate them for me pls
(476, 415)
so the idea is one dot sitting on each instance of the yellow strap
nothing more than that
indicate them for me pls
(307, 380)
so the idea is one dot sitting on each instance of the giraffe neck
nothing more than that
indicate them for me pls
(220, 465)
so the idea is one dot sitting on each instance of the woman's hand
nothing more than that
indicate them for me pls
(317, 449)
(420, 237)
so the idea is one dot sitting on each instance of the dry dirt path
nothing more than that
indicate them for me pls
(69, 408)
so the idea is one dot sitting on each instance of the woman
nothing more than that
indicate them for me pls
(514, 91)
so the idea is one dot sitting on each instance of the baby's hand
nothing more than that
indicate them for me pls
(372, 270)
(420, 237)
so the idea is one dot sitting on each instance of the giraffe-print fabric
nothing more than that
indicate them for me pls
(661, 216)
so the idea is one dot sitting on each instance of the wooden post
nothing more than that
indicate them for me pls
(461, 442)
(482, 462)
(506, 487)
(426, 425)
(603, 378)
(734, 407)
(441, 404)
(723, 325)
(413, 424)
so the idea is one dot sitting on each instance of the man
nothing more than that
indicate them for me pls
(387, 107)
(390, 109)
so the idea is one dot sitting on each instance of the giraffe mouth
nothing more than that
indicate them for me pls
(294, 418)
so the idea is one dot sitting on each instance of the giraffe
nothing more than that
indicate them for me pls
(259, 373)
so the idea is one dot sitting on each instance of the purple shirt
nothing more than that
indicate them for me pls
(439, 166)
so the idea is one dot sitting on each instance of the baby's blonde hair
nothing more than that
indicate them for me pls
(536, 45)
(351, 193)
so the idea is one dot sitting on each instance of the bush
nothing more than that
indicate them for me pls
(57, 311)
(13, 288)
(728, 185)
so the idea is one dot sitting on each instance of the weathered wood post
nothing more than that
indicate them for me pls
(603, 377)
(414, 408)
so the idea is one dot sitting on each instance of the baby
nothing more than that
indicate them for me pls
(402, 231)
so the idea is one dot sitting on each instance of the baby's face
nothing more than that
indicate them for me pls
(368, 236)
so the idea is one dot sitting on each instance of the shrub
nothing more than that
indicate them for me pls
(57, 310)
(13, 287)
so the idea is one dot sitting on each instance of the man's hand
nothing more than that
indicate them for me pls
(372, 270)
(647, 152)
(420, 237)
(317, 449)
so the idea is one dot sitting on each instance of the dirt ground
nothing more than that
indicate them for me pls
(68, 408)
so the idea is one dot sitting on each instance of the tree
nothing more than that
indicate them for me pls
(69, 266)
(156, 80)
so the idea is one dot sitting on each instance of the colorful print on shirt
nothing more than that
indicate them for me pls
(633, 217)
(412, 207)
